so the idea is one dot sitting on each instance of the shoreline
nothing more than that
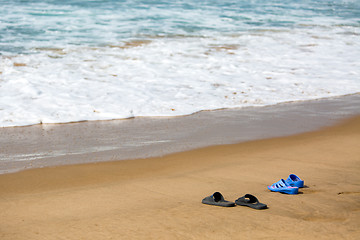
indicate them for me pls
(49, 145)
(187, 115)
(160, 197)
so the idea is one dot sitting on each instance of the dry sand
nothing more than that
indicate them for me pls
(160, 198)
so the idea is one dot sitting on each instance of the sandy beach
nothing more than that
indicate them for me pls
(117, 118)
(160, 198)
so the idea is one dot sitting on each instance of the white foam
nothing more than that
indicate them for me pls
(177, 76)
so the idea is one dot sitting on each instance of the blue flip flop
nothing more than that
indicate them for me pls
(283, 187)
(294, 181)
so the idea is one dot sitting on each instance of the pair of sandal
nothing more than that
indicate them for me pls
(248, 200)
(289, 186)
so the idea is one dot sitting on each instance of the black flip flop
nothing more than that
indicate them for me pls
(218, 200)
(250, 201)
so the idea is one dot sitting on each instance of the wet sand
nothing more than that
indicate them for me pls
(160, 197)
(143, 137)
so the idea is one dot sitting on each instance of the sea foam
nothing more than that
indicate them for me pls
(95, 64)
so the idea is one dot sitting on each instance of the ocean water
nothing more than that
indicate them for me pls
(75, 60)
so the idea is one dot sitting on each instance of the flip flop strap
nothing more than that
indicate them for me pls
(218, 197)
(252, 198)
(279, 184)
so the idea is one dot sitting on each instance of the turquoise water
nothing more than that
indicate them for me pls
(26, 25)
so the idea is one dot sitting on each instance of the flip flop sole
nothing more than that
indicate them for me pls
(220, 204)
(298, 184)
(288, 190)
(255, 206)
